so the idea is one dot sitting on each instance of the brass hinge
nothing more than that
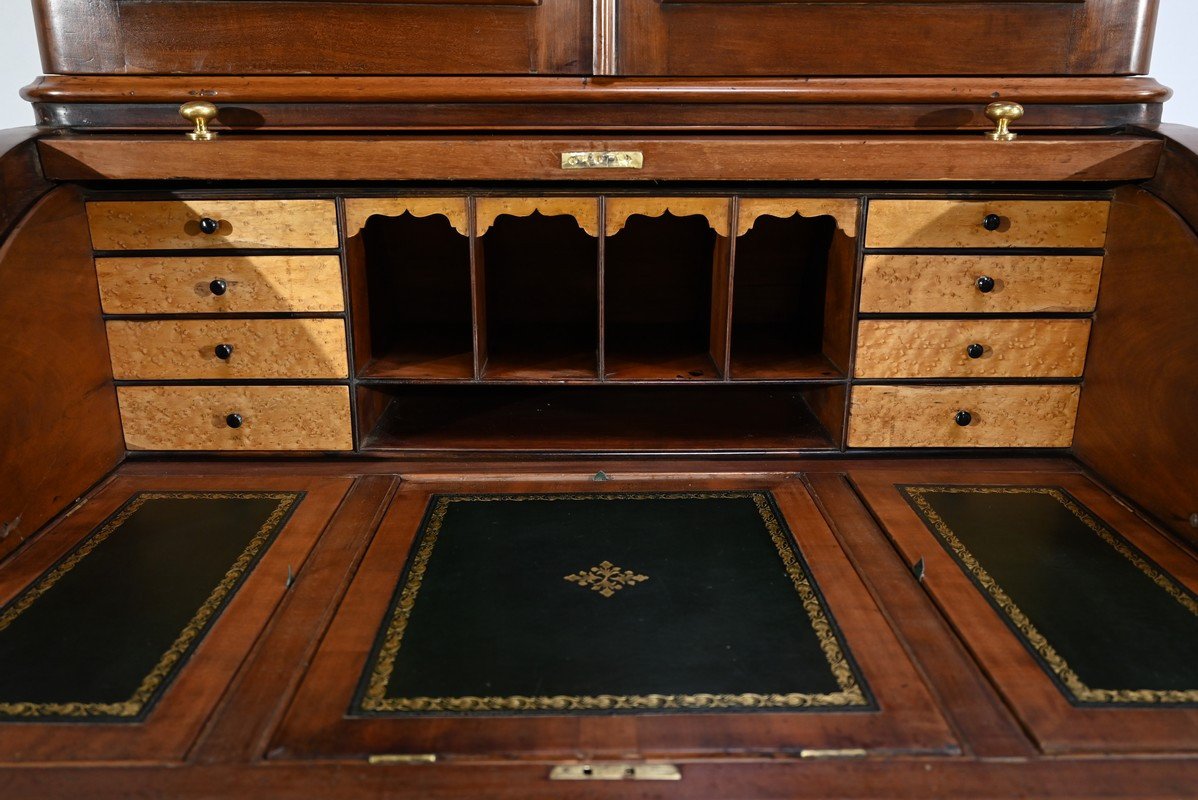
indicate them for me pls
(846, 752)
(615, 772)
(402, 758)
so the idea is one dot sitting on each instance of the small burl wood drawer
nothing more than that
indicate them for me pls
(220, 284)
(977, 348)
(963, 416)
(987, 223)
(236, 417)
(924, 284)
(228, 349)
(198, 224)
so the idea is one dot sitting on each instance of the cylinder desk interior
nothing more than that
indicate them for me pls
(598, 398)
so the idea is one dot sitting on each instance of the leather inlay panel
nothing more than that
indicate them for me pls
(505, 597)
(1108, 624)
(102, 633)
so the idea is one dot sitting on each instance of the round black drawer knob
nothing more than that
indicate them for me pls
(209, 226)
(223, 351)
(233, 420)
(985, 284)
(992, 222)
(974, 351)
(218, 287)
(963, 418)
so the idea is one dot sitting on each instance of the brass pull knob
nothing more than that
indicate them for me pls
(200, 112)
(1003, 114)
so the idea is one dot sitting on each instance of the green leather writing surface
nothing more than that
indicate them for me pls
(609, 603)
(1108, 624)
(101, 634)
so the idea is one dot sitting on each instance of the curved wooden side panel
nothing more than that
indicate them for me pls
(1137, 426)
(21, 179)
(59, 426)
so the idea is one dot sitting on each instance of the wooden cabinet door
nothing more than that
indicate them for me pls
(556, 620)
(880, 37)
(334, 37)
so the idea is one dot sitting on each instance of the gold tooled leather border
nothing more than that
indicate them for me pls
(374, 699)
(1066, 678)
(134, 706)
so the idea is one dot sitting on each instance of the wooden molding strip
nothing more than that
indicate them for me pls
(714, 209)
(360, 209)
(843, 210)
(741, 158)
(376, 89)
(585, 210)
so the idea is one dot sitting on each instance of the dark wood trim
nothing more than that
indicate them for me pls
(21, 179)
(433, 89)
(1176, 181)
(748, 779)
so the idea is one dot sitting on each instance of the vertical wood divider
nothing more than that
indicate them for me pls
(723, 269)
(601, 283)
(851, 368)
(478, 292)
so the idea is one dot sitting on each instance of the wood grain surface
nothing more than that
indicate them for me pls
(923, 284)
(1013, 348)
(924, 416)
(358, 210)
(174, 224)
(958, 223)
(262, 348)
(274, 417)
(584, 210)
(180, 284)
(843, 210)
(59, 427)
(716, 210)
(879, 157)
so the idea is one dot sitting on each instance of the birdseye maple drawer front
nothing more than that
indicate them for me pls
(228, 349)
(196, 224)
(236, 417)
(220, 284)
(925, 284)
(963, 416)
(978, 348)
(984, 223)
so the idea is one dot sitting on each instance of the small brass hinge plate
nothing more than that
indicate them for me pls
(403, 758)
(848, 752)
(604, 159)
(615, 772)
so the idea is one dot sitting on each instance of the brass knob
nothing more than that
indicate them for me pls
(1003, 114)
(201, 112)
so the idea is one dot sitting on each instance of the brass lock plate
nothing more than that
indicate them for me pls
(615, 772)
(604, 159)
